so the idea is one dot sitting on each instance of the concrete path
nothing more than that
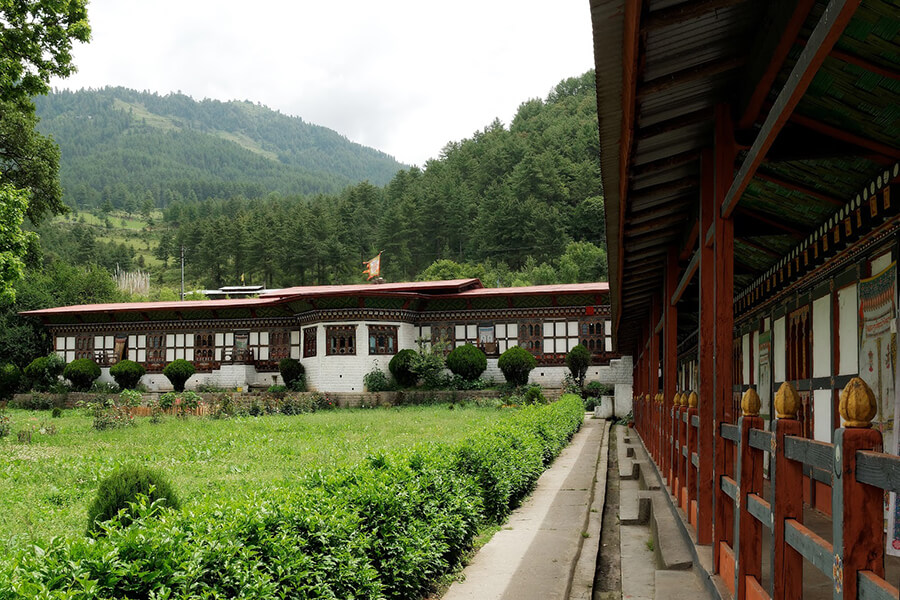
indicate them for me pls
(547, 550)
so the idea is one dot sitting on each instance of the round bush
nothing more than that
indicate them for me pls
(44, 371)
(578, 360)
(127, 374)
(122, 487)
(10, 378)
(291, 370)
(401, 368)
(178, 372)
(516, 363)
(467, 361)
(82, 372)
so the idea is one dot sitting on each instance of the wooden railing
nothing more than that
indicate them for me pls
(853, 465)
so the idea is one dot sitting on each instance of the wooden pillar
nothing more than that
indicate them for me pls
(683, 459)
(723, 529)
(670, 363)
(748, 530)
(705, 352)
(691, 475)
(857, 508)
(787, 492)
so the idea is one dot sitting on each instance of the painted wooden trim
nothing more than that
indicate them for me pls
(729, 486)
(879, 470)
(760, 509)
(695, 460)
(761, 440)
(872, 587)
(695, 421)
(809, 452)
(731, 432)
(811, 546)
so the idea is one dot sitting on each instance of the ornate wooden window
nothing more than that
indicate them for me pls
(341, 340)
(592, 335)
(279, 344)
(204, 347)
(309, 342)
(531, 337)
(156, 348)
(84, 346)
(382, 339)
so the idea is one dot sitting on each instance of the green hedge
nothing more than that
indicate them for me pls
(388, 528)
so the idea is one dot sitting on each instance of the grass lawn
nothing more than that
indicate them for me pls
(46, 486)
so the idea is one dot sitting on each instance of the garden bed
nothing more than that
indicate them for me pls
(362, 504)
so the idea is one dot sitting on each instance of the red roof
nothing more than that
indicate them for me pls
(416, 289)
(450, 286)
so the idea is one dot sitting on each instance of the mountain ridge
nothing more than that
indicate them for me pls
(175, 147)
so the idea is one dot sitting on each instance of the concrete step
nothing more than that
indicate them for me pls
(679, 585)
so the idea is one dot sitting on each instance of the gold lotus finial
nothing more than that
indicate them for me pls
(693, 400)
(858, 406)
(787, 402)
(750, 403)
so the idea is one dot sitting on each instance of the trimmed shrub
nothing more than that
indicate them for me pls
(389, 527)
(516, 364)
(82, 372)
(56, 412)
(596, 389)
(178, 372)
(467, 361)
(10, 378)
(401, 367)
(291, 371)
(127, 373)
(43, 373)
(578, 360)
(377, 381)
(123, 487)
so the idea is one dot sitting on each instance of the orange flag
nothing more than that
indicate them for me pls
(373, 267)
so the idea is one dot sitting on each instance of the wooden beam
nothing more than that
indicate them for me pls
(686, 278)
(652, 242)
(782, 48)
(781, 225)
(826, 33)
(657, 224)
(663, 164)
(673, 124)
(862, 63)
(684, 12)
(702, 71)
(846, 136)
(790, 185)
(759, 247)
(631, 29)
(691, 241)
(639, 216)
(653, 195)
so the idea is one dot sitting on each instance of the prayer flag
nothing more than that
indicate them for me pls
(373, 267)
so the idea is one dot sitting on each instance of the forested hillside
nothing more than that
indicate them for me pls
(508, 204)
(124, 146)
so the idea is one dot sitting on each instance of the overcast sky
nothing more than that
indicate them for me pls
(403, 76)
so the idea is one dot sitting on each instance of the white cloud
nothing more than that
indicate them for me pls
(403, 76)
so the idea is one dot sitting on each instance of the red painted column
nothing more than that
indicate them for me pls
(670, 364)
(787, 493)
(858, 509)
(683, 461)
(723, 526)
(705, 351)
(749, 551)
(691, 474)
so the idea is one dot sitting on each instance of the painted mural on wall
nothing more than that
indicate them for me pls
(877, 359)
(877, 338)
